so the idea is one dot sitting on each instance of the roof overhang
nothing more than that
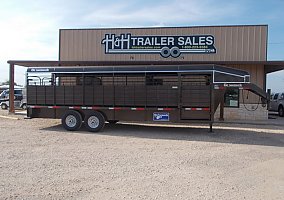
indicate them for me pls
(274, 67)
(269, 66)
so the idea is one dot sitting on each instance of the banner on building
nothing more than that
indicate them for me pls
(166, 46)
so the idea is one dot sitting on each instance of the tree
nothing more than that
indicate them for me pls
(7, 83)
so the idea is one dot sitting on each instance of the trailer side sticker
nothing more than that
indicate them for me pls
(161, 116)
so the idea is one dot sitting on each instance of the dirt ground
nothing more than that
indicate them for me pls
(40, 160)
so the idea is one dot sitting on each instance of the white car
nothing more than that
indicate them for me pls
(277, 103)
(19, 99)
(18, 104)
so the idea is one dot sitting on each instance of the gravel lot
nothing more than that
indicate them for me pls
(40, 160)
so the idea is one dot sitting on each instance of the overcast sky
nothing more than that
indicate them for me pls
(30, 28)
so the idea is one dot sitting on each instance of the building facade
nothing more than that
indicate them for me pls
(241, 47)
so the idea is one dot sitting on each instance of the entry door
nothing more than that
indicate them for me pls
(195, 97)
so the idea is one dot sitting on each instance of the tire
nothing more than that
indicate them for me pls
(112, 121)
(281, 111)
(71, 120)
(24, 106)
(4, 106)
(94, 121)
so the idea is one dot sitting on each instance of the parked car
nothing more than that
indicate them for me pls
(19, 99)
(18, 104)
(277, 103)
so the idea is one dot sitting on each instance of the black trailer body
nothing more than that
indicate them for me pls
(160, 94)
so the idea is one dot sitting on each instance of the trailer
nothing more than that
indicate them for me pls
(93, 95)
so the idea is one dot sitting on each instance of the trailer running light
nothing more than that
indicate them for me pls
(36, 106)
(137, 109)
(197, 109)
(71, 107)
(166, 109)
(100, 108)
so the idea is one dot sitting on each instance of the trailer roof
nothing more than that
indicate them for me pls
(140, 69)
(269, 66)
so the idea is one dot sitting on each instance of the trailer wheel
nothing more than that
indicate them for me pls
(4, 106)
(94, 122)
(72, 120)
(281, 111)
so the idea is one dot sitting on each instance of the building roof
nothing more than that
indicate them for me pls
(164, 27)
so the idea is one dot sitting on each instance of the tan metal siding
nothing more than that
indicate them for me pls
(233, 43)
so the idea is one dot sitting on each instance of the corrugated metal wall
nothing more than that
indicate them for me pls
(233, 43)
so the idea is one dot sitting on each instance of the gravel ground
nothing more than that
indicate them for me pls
(40, 160)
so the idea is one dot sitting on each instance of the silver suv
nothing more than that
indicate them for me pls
(277, 103)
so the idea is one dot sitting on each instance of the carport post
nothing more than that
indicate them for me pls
(221, 118)
(11, 89)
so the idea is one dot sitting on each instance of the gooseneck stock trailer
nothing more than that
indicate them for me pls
(91, 95)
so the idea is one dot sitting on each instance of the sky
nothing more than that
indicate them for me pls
(30, 29)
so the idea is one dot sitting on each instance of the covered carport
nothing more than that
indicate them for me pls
(269, 67)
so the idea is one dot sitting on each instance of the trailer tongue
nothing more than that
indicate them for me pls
(163, 94)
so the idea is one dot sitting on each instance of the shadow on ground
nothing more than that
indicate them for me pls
(186, 133)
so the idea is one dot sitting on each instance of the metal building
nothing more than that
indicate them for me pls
(241, 47)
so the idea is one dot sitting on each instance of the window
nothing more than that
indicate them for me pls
(77, 80)
(232, 98)
(165, 79)
(19, 92)
(66, 80)
(275, 97)
(151, 80)
(195, 80)
(119, 80)
(107, 80)
(88, 80)
(224, 78)
(4, 94)
(135, 80)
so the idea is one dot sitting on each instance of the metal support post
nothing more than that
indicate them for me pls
(11, 89)
(221, 118)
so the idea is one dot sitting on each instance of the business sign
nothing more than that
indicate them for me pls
(165, 45)
(161, 116)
